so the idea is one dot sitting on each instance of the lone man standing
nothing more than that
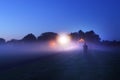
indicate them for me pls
(85, 48)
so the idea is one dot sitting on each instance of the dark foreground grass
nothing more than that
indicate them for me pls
(96, 65)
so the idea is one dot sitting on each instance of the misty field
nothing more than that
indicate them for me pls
(74, 65)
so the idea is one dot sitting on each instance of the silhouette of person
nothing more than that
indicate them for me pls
(85, 48)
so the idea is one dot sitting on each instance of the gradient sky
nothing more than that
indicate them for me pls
(20, 17)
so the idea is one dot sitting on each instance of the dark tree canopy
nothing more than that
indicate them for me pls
(91, 36)
(81, 34)
(13, 41)
(29, 38)
(47, 36)
(75, 36)
(113, 43)
(2, 41)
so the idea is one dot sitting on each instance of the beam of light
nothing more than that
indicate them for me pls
(63, 39)
(72, 46)
(64, 42)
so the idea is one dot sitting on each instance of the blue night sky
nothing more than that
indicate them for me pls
(20, 17)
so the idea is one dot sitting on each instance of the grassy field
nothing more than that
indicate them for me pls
(74, 65)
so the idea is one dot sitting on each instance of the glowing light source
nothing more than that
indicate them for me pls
(63, 39)
(63, 42)
(82, 40)
(52, 44)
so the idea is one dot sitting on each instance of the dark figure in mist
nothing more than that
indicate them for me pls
(85, 48)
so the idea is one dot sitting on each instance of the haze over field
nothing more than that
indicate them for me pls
(59, 40)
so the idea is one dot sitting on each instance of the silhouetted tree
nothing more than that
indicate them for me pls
(13, 41)
(75, 36)
(29, 38)
(81, 34)
(90, 36)
(47, 36)
(113, 43)
(2, 41)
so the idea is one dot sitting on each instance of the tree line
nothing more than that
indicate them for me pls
(89, 36)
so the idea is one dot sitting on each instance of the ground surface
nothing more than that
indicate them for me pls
(96, 65)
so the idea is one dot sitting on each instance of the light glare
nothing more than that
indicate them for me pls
(63, 39)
